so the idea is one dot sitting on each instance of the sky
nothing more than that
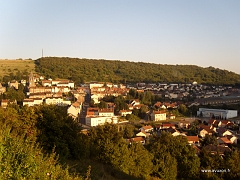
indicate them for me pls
(197, 32)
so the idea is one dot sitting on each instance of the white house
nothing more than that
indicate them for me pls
(74, 110)
(158, 116)
(28, 102)
(124, 112)
(97, 120)
(53, 100)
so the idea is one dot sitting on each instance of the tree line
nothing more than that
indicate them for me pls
(83, 70)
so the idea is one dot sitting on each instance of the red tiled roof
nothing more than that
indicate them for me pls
(137, 139)
(192, 138)
(159, 112)
(225, 140)
(147, 127)
(221, 130)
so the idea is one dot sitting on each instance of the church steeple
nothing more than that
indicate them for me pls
(31, 80)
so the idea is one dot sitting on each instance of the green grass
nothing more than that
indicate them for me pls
(8, 66)
(99, 171)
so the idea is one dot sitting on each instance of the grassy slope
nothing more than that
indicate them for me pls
(8, 66)
(99, 171)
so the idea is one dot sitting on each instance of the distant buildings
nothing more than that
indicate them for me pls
(216, 113)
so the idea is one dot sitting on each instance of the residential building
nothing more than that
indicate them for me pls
(217, 113)
(158, 115)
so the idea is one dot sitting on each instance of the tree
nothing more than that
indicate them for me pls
(120, 103)
(58, 130)
(128, 131)
(232, 165)
(23, 159)
(187, 163)
(143, 111)
(209, 139)
(182, 109)
(102, 105)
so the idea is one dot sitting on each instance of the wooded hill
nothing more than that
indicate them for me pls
(82, 70)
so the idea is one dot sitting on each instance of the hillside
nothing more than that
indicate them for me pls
(82, 70)
(15, 69)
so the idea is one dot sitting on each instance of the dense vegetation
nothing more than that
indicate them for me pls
(81, 70)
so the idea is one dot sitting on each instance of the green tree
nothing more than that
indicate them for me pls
(187, 163)
(102, 105)
(209, 139)
(128, 131)
(22, 159)
(58, 130)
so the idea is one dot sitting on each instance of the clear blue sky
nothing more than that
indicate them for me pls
(201, 32)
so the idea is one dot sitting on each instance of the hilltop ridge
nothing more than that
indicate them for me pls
(82, 70)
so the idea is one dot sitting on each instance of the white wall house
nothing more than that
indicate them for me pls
(97, 120)
(74, 109)
(53, 100)
(225, 114)
(158, 115)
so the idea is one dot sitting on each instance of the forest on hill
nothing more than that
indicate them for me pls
(84, 70)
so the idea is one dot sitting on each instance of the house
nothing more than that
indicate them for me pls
(92, 111)
(106, 112)
(4, 103)
(142, 134)
(224, 123)
(28, 102)
(224, 140)
(172, 116)
(37, 101)
(204, 130)
(232, 138)
(92, 120)
(13, 84)
(183, 124)
(217, 149)
(74, 109)
(173, 131)
(148, 128)
(223, 132)
(53, 100)
(124, 112)
(2, 89)
(166, 125)
(158, 115)
(46, 83)
(95, 98)
(137, 140)
(211, 121)
(230, 125)
(194, 140)
(217, 123)
(134, 102)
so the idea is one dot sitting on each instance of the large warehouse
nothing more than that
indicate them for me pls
(217, 113)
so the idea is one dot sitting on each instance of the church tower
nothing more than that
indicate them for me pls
(31, 80)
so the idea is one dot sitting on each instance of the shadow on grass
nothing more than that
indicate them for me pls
(99, 171)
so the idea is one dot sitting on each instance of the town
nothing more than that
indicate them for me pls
(83, 102)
